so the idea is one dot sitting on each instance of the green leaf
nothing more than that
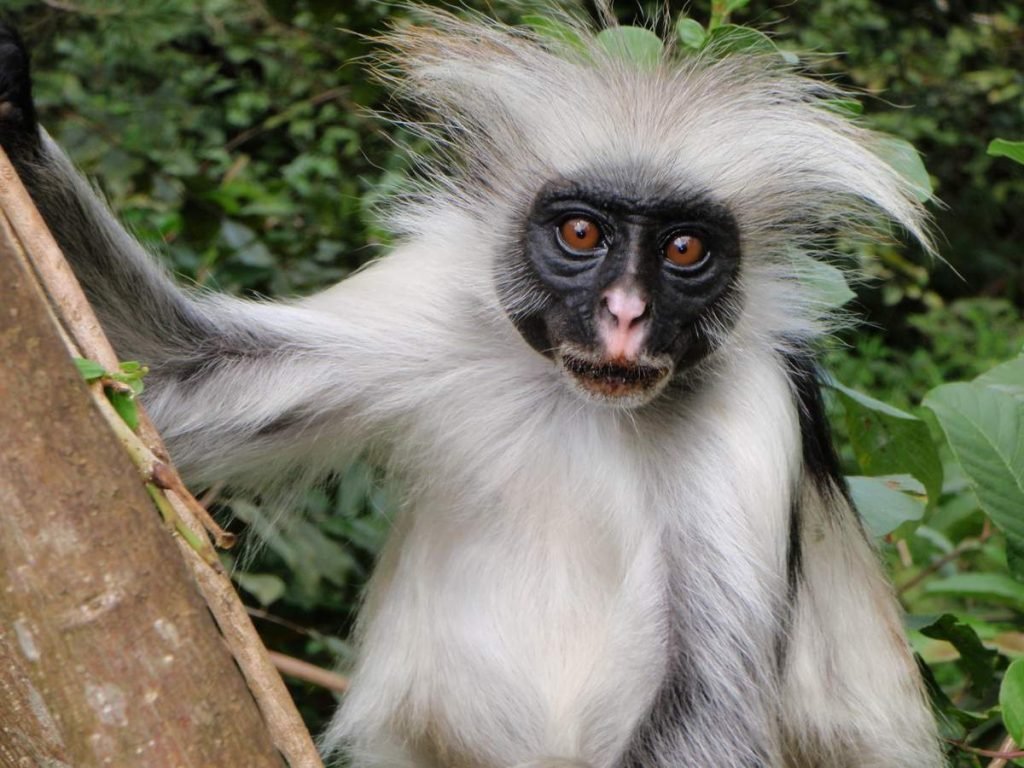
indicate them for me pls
(555, 31)
(249, 250)
(90, 369)
(722, 9)
(977, 661)
(955, 722)
(788, 56)
(1011, 699)
(691, 33)
(991, 587)
(265, 587)
(726, 39)
(265, 527)
(1011, 149)
(826, 281)
(131, 373)
(867, 401)
(126, 406)
(1008, 377)
(636, 45)
(326, 557)
(733, 38)
(356, 484)
(847, 107)
(1015, 557)
(985, 429)
(903, 158)
(888, 441)
(884, 502)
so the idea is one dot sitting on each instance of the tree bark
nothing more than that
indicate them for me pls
(108, 655)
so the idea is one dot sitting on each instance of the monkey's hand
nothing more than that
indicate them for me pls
(19, 128)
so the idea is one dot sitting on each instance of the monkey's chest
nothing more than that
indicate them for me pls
(540, 642)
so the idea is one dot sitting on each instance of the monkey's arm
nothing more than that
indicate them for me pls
(846, 645)
(845, 642)
(232, 383)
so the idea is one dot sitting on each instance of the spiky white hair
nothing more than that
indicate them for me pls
(509, 108)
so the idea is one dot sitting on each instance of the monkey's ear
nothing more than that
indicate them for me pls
(19, 130)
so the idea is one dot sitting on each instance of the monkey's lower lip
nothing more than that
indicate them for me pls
(612, 378)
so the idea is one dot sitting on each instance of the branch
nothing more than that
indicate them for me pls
(965, 546)
(85, 338)
(310, 673)
(277, 118)
(293, 667)
(1006, 748)
(1011, 754)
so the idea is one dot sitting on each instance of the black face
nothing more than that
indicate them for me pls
(633, 283)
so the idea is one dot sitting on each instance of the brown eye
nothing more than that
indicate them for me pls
(580, 234)
(684, 250)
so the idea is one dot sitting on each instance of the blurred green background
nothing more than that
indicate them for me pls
(236, 138)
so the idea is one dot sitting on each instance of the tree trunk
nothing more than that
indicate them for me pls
(108, 655)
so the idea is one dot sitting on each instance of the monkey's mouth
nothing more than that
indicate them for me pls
(634, 381)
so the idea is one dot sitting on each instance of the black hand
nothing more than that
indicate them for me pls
(19, 132)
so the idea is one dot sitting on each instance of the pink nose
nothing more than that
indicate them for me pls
(625, 306)
(622, 322)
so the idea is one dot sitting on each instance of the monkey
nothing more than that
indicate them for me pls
(591, 359)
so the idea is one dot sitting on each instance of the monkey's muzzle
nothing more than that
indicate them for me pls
(627, 381)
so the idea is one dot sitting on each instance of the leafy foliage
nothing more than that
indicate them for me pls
(1003, 148)
(1011, 698)
(122, 387)
(236, 138)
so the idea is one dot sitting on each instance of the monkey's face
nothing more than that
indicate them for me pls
(636, 287)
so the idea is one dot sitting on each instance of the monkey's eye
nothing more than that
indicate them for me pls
(580, 234)
(685, 250)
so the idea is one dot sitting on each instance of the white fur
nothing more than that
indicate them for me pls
(520, 608)
(556, 560)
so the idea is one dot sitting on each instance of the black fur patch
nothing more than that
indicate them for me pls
(794, 550)
(18, 122)
(794, 575)
(668, 720)
(651, 742)
(820, 466)
(819, 454)
(689, 701)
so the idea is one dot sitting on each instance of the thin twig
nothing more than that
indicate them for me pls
(278, 118)
(1008, 746)
(49, 266)
(62, 5)
(210, 495)
(170, 516)
(288, 665)
(1011, 754)
(965, 546)
(288, 732)
(259, 613)
(223, 539)
(310, 673)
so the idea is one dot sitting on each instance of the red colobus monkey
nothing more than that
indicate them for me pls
(625, 541)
